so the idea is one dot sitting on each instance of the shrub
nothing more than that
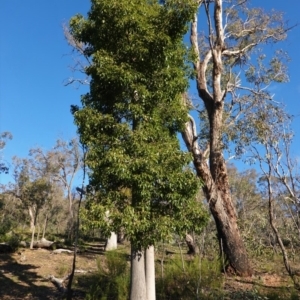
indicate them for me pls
(113, 279)
(13, 241)
(197, 277)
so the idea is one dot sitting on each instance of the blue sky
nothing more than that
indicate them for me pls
(34, 60)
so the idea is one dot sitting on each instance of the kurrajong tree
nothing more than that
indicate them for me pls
(232, 77)
(129, 122)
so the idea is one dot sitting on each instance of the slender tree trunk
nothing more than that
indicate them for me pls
(45, 226)
(32, 237)
(138, 280)
(38, 231)
(150, 272)
(111, 242)
(33, 229)
(31, 215)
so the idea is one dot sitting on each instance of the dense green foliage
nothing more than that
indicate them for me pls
(130, 118)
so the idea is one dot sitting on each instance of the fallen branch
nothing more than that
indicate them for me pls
(59, 251)
(59, 282)
(80, 271)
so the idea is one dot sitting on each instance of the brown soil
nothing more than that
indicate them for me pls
(25, 275)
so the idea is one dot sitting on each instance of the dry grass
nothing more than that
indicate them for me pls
(24, 275)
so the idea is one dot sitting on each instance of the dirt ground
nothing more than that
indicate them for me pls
(25, 275)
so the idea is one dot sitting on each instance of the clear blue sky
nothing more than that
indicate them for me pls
(34, 60)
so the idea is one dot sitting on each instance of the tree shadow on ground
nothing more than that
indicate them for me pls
(18, 281)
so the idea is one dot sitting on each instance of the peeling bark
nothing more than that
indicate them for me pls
(216, 190)
(209, 163)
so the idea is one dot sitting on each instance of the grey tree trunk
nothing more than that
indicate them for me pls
(111, 242)
(34, 225)
(138, 280)
(32, 237)
(150, 272)
(45, 226)
(31, 215)
(193, 248)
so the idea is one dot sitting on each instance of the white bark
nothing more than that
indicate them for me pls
(31, 215)
(112, 242)
(32, 237)
(138, 280)
(59, 251)
(33, 229)
(42, 243)
(45, 226)
(60, 283)
(150, 272)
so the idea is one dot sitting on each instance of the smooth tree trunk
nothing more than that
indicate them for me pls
(150, 272)
(33, 228)
(31, 215)
(32, 237)
(111, 242)
(45, 226)
(137, 281)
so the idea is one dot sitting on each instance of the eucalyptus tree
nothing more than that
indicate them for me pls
(36, 194)
(232, 77)
(129, 122)
(4, 136)
(252, 212)
(61, 166)
(280, 181)
(61, 163)
(33, 191)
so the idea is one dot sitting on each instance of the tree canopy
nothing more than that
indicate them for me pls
(130, 118)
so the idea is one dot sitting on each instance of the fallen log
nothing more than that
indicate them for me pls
(80, 271)
(24, 244)
(59, 251)
(43, 243)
